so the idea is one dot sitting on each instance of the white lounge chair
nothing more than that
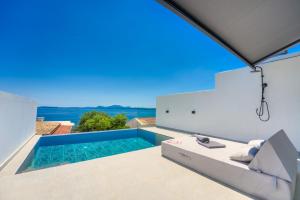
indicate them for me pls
(275, 165)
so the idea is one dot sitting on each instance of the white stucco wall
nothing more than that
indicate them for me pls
(229, 110)
(17, 123)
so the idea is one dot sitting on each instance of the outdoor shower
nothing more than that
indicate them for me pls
(263, 111)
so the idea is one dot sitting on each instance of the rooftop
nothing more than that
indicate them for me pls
(46, 128)
(147, 121)
(53, 127)
(235, 111)
(142, 122)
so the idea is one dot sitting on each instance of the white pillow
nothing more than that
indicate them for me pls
(245, 154)
(256, 143)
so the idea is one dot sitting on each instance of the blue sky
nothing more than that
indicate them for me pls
(96, 52)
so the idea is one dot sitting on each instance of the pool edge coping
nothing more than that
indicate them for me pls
(18, 158)
(12, 166)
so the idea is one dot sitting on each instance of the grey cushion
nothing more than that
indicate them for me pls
(277, 157)
(245, 154)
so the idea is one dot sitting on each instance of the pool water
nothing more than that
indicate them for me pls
(58, 150)
(48, 156)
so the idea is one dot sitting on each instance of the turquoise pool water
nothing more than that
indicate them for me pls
(58, 150)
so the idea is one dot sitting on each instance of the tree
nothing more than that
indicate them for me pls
(119, 121)
(99, 121)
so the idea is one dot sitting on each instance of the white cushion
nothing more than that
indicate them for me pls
(277, 157)
(256, 143)
(216, 163)
(245, 154)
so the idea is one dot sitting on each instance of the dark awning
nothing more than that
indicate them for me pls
(252, 29)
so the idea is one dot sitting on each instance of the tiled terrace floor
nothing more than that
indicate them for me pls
(136, 175)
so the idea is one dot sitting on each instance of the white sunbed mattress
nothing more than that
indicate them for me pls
(216, 164)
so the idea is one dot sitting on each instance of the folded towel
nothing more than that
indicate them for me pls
(211, 144)
(244, 154)
(202, 139)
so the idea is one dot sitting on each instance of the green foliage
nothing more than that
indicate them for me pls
(119, 122)
(99, 121)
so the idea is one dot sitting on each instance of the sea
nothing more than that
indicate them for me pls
(73, 114)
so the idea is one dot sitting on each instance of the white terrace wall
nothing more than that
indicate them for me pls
(17, 123)
(229, 110)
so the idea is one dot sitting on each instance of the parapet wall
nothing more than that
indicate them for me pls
(17, 123)
(229, 110)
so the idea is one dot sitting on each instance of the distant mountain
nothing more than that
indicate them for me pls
(121, 107)
(114, 106)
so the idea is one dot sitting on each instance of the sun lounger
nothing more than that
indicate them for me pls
(216, 163)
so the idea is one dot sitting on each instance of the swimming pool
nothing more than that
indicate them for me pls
(63, 149)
